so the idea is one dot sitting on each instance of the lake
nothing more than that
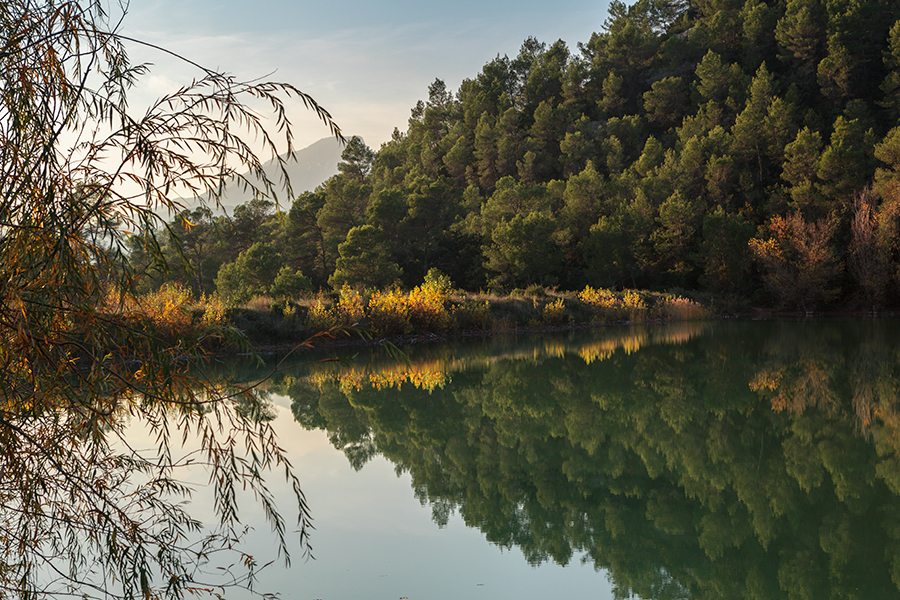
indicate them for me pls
(724, 459)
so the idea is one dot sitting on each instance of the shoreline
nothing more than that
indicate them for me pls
(349, 339)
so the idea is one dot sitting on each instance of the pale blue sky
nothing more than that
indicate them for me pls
(366, 62)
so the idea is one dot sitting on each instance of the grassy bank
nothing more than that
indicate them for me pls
(431, 308)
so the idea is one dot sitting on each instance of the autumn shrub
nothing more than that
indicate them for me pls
(166, 308)
(430, 308)
(424, 308)
(388, 312)
(290, 311)
(320, 317)
(171, 311)
(349, 310)
(597, 297)
(873, 232)
(635, 305)
(427, 308)
(677, 308)
(439, 282)
(607, 305)
(797, 260)
(604, 304)
(350, 307)
(554, 313)
(214, 310)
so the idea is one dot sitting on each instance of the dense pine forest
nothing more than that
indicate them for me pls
(747, 149)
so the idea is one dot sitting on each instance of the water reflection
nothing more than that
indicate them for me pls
(745, 460)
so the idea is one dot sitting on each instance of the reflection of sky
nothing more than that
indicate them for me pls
(374, 540)
(372, 537)
(366, 62)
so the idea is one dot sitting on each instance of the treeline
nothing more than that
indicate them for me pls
(746, 148)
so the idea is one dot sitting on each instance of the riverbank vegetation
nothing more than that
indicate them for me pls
(432, 308)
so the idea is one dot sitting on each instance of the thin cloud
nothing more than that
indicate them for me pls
(367, 64)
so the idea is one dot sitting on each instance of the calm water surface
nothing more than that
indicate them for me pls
(752, 459)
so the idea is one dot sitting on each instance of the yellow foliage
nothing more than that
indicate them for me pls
(600, 297)
(420, 379)
(610, 306)
(632, 305)
(166, 308)
(388, 312)
(350, 307)
(554, 348)
(681, 309)
(633, 300)
(554, 313)
(427, 310)
(349, 310)
(766, 249)
(289, 312)
(428, 376)
(214, 313)
(806, 386)
(319, 317)
(766, 380)
(630, 341)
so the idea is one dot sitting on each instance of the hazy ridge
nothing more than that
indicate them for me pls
(307, 168)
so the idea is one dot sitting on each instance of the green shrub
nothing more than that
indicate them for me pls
(289, 284)
(535, 290)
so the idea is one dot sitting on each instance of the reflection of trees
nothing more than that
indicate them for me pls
(759, 463)
(435, 365)
(87, 509)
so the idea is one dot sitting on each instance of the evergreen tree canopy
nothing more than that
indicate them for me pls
(675, 125)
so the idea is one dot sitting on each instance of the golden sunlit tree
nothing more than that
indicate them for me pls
(797, 260)
(83, 512)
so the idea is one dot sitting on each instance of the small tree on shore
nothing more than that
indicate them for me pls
(869, 253)
(797, 261)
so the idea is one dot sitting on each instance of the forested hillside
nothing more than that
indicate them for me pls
(746, 148)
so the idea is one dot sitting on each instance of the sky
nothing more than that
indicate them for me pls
(367, 63)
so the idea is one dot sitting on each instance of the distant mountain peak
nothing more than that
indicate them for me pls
(308, 168)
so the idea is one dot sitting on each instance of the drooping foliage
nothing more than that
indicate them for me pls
(83, 176)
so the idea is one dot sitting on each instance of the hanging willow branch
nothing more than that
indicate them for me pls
(82, 511)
